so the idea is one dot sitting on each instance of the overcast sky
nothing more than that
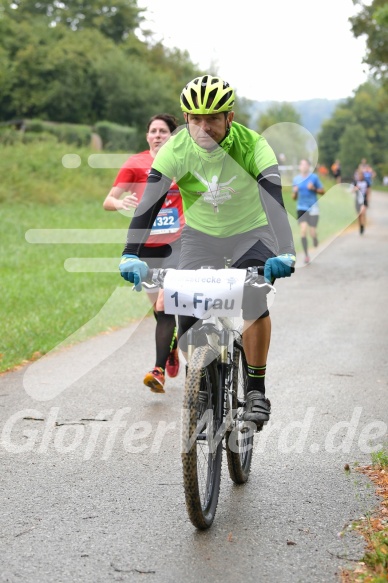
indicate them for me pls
(282, 50)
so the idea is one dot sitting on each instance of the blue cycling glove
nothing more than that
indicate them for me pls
(133, 269)
(280, 266)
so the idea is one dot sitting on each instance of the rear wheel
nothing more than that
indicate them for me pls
(239, 444)
(201, 446)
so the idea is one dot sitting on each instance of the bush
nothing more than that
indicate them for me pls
(11, 137)
(76, 134)
(32, 137)
(116, 137)
(34, 125)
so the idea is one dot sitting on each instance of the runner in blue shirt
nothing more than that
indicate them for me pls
(305, 188)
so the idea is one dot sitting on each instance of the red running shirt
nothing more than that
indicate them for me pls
(170, 221)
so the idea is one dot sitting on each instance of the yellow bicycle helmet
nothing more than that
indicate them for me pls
(207, 94)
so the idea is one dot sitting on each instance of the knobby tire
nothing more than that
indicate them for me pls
(201, 467)
(239, 445)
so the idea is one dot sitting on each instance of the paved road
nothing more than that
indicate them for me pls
(91, 483)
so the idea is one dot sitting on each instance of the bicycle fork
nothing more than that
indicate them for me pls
(223, 374)
(221, 419)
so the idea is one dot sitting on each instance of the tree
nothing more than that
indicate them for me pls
(51, 76)
(278, 113)
(115, 19)
(132, 91)
(353, 146)
(331, 132)
(242, 110)
(57, 74)
(369, 109)
(366, 109)
(372, 21)
(80, 61)
(281, 125)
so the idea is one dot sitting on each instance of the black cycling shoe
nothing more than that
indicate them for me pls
(258, 409)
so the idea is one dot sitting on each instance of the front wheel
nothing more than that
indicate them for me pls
(239, 444)
(201, 445)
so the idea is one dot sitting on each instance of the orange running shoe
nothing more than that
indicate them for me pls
(172, 364)
(155, 380)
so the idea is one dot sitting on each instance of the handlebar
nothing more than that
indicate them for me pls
(155, 277)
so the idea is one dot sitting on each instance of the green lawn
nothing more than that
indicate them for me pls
(43, 304)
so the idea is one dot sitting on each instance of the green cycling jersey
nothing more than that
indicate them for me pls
(219, 188)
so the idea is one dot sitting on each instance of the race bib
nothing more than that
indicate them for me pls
(202, 293)
(167, 221)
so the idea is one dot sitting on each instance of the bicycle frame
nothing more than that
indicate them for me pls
(214, 402)
(221, 334)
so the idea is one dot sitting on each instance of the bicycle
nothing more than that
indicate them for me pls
(214, 404)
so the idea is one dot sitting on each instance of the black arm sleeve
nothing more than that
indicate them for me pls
(145, 214)
(270, 189)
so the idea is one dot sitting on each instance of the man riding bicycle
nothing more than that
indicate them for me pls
(232, 198)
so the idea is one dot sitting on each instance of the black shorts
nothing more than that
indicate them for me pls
(359, 205)
(245, 250)
(305, 217)
(163, 256)
(200, 250)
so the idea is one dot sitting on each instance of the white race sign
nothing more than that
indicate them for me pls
(204, 292)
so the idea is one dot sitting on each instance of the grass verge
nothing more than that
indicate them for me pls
(42, 304)
(373, 567)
